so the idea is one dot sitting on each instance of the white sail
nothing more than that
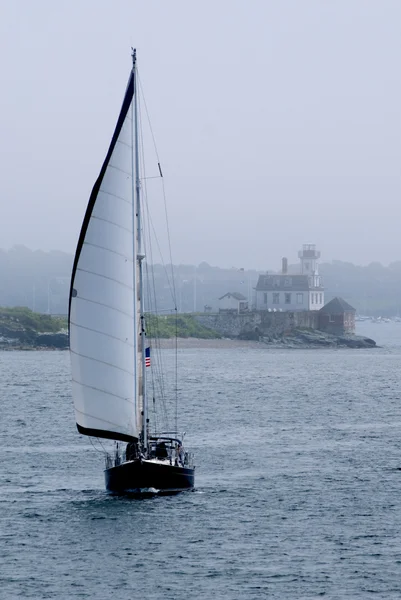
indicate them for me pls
(103, 305)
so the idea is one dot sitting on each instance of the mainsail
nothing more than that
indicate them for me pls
(103, 307)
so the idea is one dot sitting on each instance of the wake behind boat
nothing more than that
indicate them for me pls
(109, 347)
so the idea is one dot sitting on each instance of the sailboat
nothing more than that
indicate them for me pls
(109, 347)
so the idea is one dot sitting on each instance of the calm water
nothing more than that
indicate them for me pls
(298, 492)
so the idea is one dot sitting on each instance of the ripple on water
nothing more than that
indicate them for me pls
(297, 492)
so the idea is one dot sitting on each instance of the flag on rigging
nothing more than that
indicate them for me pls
(147, 357)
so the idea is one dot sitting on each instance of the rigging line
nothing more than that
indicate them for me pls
(163, 310)
(151, 371)
(151, 335)
(150, 224)
(156, 371)
(148, 117)
(97, 449)
(176, 370)
(158, 363)
(147, 207)
(156, 381)
(156, 322)
(174, 292)
(172, 288)
(163, 186)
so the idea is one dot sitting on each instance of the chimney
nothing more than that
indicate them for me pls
(284, 268)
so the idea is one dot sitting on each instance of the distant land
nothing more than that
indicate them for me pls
(22, 329)
(40, 281)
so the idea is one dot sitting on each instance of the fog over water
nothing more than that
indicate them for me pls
(277, 123)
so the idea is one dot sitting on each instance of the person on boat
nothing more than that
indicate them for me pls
(117, 458)
(131, 451)
(181, 455)
(161, 450)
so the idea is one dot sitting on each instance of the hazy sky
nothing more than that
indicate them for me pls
(277, 122)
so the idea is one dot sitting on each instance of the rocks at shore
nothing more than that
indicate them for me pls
(299, 338)
(296, 339)
(280, 330)
(30, 340)
(23, 329)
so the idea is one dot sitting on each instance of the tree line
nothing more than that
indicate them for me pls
(40, 281)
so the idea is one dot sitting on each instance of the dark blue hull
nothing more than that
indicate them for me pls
(137, 476)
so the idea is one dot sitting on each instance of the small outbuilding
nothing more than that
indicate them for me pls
(233, 302)
(337, 317)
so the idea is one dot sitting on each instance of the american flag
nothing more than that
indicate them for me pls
(147, 357)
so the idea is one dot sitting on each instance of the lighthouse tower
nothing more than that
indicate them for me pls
(309, 264)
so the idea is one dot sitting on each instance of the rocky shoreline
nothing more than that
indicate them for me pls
(296, 339)
(317, 339)
(29, 340)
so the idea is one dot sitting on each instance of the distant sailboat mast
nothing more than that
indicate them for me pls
(138, 264)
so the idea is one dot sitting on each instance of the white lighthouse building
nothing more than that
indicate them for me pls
(285, 291)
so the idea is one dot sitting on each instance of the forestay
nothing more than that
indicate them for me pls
(103, 307)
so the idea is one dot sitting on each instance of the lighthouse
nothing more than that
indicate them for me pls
(309, 257)
(292, 292)
(309, 264)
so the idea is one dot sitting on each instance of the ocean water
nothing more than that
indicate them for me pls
(297, 483)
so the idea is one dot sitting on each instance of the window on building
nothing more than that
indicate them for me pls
(276, 282)
(288, 282)
(276, 297)
(306, 266)
(321, 298)
(265, 298)
(287, 298)
(300, 298)
(317, 299)
(312, 298)
(332, 318)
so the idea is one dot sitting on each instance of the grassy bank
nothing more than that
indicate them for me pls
(23, 320)
(20, 318)
(184, 326)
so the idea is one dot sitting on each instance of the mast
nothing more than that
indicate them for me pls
(134, 245)
(139, 255)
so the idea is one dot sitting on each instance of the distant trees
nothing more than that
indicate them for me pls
(40, 280)
(372, 289)
(36, 279)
